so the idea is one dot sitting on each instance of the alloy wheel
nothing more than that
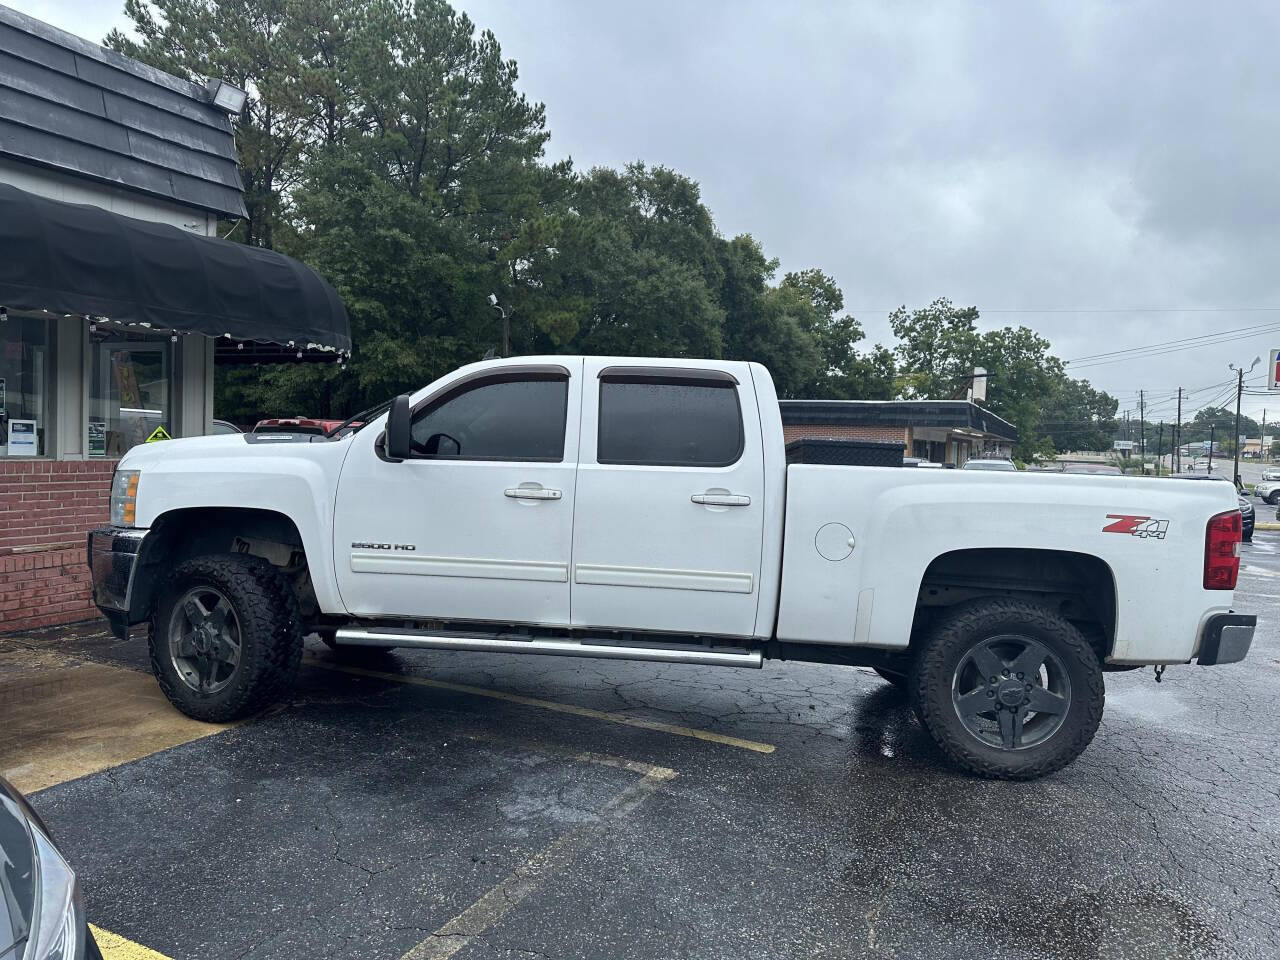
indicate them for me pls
(1011, 692)
(204, 640)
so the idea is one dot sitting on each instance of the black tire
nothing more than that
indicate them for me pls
(268, 627)
(950, 659)
(899, 680)
(1273, 499)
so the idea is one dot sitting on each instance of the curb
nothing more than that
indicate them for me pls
(1266, 526)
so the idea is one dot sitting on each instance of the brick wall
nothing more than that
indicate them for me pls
(843, 431)
(46, 509)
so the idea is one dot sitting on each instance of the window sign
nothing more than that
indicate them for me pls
(97, 438)
(22, 438)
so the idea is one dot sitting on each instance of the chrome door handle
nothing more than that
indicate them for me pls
(721, 499)
(532, 493)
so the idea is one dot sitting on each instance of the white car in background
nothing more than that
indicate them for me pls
(1004, 465)
(1268, 490)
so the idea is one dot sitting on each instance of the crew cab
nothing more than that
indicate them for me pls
(644, 509)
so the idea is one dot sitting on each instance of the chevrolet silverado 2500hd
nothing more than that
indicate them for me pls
(643, 509)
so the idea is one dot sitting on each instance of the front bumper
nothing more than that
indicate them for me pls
(113, 559)
(1226, 638)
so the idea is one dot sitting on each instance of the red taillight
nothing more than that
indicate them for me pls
(1222, 551)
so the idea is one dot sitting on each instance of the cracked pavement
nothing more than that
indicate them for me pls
(363, 815)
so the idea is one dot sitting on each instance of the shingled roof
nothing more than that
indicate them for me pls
(73, 106)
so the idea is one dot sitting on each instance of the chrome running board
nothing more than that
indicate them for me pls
(548, 646)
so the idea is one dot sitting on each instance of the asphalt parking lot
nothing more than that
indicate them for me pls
(483, 807)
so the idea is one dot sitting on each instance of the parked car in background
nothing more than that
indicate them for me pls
(1005, 465)
(221, 428)
(41, 909)
(1271, 473)
(1094, 469)
(303, 425)
(1268, 490)
(1246, 519)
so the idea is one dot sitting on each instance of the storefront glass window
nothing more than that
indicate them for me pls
(131, 392)
(24, 384)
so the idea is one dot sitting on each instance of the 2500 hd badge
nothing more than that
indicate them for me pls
(383, 546)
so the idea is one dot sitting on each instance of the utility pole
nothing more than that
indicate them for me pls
(1211, 427)
(1177, 437)
(1159, 446)
(1235, 475)
(1262, 437)
(1240, 372)
(1142, 432)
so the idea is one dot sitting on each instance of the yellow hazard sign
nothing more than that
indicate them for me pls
(158, 434)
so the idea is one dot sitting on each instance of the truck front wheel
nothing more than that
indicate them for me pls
(1008, 689)
(225, 636)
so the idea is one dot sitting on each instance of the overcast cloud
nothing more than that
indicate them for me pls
(1065, 157)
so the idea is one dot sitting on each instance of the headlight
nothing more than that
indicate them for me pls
(59, 913)
(124, 498)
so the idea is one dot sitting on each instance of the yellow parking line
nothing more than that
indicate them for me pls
(553, 705)
(116, 947)
(509, 893)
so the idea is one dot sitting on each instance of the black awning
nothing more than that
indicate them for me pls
(71, 258)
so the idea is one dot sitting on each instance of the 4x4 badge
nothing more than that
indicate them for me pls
(1136, 526)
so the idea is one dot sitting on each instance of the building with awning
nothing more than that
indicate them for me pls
(940, 431)
(116, 291)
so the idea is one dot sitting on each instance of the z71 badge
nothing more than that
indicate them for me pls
(1137, 526)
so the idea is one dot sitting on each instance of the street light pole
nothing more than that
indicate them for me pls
(1240, 372)
(506, 324)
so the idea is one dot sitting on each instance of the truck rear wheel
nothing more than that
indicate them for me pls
(225, 636)
(1008, 689)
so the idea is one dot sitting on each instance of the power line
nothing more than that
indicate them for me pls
(1260, 328)
(1172, 349)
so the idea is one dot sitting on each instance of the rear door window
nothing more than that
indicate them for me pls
(671, 423)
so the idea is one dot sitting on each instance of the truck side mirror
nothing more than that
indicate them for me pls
(398, 440)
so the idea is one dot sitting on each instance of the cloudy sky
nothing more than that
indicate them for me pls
(1104, 173)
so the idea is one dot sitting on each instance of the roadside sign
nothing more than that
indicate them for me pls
(1273, 372)
(1122, 445)
(158, 434)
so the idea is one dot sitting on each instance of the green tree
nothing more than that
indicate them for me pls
(1223, 423)
(1078, 417)
(937, 349)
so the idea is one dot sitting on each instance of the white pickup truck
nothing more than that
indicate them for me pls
(644, 509)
